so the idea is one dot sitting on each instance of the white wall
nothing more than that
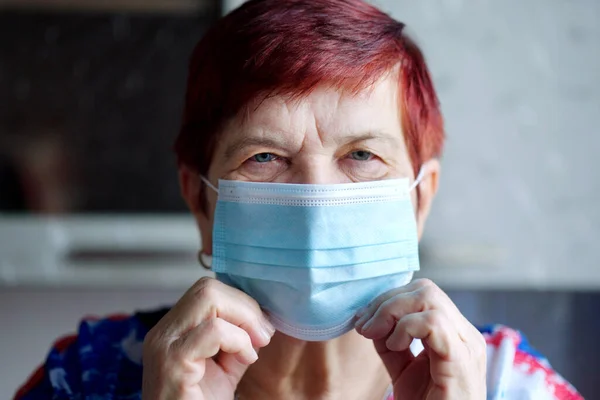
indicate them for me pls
(519, 83)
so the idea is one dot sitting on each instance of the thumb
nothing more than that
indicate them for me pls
(395, 361)
(232, 367)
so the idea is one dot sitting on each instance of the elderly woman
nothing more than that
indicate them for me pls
(309, 158)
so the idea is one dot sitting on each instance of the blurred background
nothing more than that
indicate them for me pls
(91, 221)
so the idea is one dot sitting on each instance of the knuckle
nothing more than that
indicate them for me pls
(176, 355)
(435, 319)
(214, 327)
(423, 282)
(255, 314)
(432, 292)
(423, 297)
(481, 345)
(391, 307)
(387, 307)
(152, 341)
(375, 303)
(206, 288)
(428, 296)
(205, 282)
(254, 306)
(150, 338)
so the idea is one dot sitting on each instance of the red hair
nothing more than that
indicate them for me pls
(289, 47)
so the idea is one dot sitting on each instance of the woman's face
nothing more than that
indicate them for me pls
(326, 137)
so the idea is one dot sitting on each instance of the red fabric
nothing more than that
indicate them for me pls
(32, 382)
(560, 388)
(113, 317)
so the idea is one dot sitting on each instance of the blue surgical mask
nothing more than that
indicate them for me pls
(312, 255)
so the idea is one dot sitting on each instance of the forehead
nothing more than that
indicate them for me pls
(327, 109)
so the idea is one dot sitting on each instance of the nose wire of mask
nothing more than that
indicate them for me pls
(312, 255)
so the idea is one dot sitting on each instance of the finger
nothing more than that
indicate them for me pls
(383, 321)
(400, 339)
(366, 313)
(426, 297)
(231, 365)
(395, 361)
(432, 327)
(208, 299)
(210, 337)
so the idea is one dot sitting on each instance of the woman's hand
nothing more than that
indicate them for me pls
(201, 348)
(453, 364)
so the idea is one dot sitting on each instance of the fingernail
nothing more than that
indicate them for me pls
(367, 326)
(269, 327)
(253, 356)
(361, 321)
(389, 343)
(361, 311)
(267, 332)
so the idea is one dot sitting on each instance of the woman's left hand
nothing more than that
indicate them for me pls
(453, 364)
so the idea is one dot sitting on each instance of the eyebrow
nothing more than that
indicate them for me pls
(281, 143)
(363, 136)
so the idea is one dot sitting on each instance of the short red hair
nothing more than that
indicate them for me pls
(289, 47)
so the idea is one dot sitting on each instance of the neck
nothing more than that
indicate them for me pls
(344, 368)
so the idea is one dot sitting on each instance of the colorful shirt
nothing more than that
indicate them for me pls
(104, 361)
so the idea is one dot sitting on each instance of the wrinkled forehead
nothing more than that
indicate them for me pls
(330, 108)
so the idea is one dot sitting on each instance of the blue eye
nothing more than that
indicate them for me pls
(361, 155)
(264, 157)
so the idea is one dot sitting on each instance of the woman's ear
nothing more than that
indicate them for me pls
(427, 190)
(192, 190)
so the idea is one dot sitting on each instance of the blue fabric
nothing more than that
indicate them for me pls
(301, 227)
(104, 362)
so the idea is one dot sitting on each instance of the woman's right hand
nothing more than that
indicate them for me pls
(201, 348)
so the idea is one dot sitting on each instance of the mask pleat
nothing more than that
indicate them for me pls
(311, 255)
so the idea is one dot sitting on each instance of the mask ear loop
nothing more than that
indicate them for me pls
(210, 185)
(205, 259)
(418, 179)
